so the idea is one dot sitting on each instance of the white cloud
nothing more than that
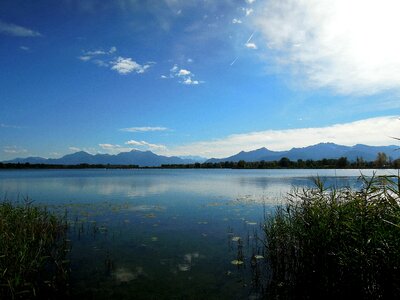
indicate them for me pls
(106, 58)
(96, 52)
(16, 30)
(126, 65)
(25, 48)
(183, 72)
(237, 21)
(374, 131)
(251, 46)
(84, 57)
(190, 81)
(108, 146)
(88, 55)
(139, 145)
(185, 76)
(174, 69)
(250, 1)
(75, 149)
(247, 11)
(115, 149)
(14, 150)
(144, 129)
(146, 145)
(112, 50)
(351, 47)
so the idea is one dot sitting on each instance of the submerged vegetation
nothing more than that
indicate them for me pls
(33, 246)
(330, 243)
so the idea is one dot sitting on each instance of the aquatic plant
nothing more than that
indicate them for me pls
(330, 243)
(33, 247)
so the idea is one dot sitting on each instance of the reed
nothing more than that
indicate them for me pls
(33, 248)
(331, 243)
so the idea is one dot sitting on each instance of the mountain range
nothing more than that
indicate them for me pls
(149, 159)
(314, 152)
(134, 157)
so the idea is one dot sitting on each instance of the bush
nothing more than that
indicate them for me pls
(337, 242)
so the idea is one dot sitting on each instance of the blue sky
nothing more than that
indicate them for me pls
(208, 78)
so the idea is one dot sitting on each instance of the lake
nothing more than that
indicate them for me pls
(165, 234)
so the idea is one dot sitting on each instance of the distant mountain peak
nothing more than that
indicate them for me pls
(314, 152)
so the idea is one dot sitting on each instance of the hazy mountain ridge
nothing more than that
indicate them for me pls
(314, 152)
(150, 159)
(134, 157)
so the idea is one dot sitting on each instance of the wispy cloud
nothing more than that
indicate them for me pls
(14, 150)
(251, 46)
(351, 47)
(143, 129)
(185, 76)
(24, 48)
(2, 125)
(98, 55)
(101, 52)
(374, 131)
(146, 145)
(247, 11)
(236, 21)
(115, 148)
(85, 57)
(17, 30)
(250, 1)
(132, 145)
(75, 149)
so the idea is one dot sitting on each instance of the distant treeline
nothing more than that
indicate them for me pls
(78, 166)
(284, 163)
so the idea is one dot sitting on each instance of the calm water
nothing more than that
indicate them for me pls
(164, 234)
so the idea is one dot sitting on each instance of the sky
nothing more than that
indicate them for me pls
(206, 78)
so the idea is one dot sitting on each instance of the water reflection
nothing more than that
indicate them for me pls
(93, 185)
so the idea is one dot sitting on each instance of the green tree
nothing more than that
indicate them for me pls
(284, 162)
(342, 162)
(360, 162)
(241, 164)
(381, 160)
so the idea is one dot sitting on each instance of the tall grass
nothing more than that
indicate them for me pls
(331, 243)
(32, 252)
